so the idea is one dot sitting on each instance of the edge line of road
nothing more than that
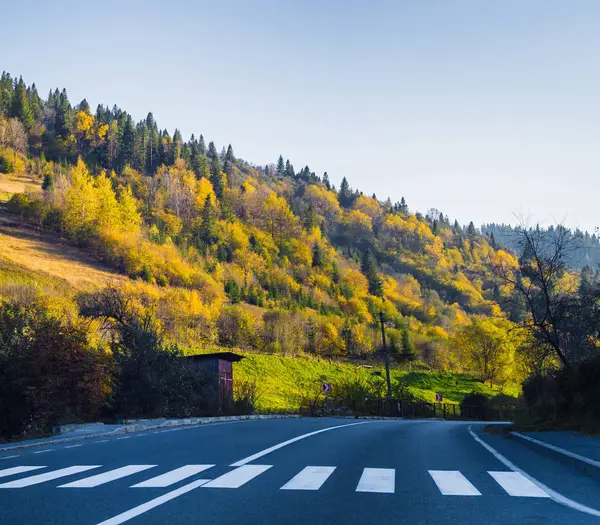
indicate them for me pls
(556, 496)
(554, 448)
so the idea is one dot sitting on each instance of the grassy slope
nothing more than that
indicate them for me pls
(45, 257)
(282, 381)
(12, 183)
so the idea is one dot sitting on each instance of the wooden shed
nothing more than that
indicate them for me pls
(218, 367)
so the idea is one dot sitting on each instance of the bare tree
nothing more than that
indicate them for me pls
(552, 309)
(13, 135)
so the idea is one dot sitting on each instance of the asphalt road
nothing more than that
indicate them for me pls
(272, 472)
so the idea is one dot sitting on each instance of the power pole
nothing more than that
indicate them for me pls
(387, 362)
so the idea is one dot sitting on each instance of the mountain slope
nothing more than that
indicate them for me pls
(257, 257)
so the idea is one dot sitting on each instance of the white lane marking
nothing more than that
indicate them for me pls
(238, 477)
(289, 442)
(556, 496)
(381, 480)
(145, 507)
(48, 476)
(172, 477)
(74, 446)
(16, 470)
(43, 451)
(10, 457)
(518, 485)
(453, 483)
(583, 459)
(105, 477)
(310, 478)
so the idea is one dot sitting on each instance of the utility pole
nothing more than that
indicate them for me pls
(387, 362)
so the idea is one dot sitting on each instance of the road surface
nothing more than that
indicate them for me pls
(305, 471)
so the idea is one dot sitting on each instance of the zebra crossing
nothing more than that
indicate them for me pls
(310, 478)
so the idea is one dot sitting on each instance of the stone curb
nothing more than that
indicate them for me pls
(587, 465)
(137, 427)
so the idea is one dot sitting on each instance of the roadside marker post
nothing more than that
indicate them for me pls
(326, 388)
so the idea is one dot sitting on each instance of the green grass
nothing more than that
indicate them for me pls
(283, 381)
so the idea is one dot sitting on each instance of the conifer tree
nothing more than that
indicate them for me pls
(369, 269)
(215, 177)
(201, 145)
(345, 194)
(229, 155)
(408, 349)
(280, 165)
(326, 181)
(212, 151)
(20, 106)
(310, 220)
(318, 257)
(209, 219)
(403, 206)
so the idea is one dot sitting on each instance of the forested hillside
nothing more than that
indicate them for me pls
(270, 258)
(584, 249)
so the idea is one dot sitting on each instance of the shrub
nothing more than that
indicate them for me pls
(49, 373)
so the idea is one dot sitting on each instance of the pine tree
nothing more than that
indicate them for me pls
(345, 194)
(176, 145)
(212, 151)
(493, 241)
(408, 349)
(280, 165)
(335, 272)
(310, 221)
(127, 143)
(326, 181)
(317, 256)
(403, 206)
(84, 106)
(20, 106)
(62, 114)
(48, 182)
(229, 155)
(369, 269)
(207, 228)
(471, 229)
(216, 178)
(201, 145)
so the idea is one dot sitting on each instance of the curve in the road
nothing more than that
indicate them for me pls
(556, 496)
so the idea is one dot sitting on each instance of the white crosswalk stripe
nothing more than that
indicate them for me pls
(105, 477)
(515, 484)
(380, 480)
(48, 476)
(310, 478)
(170, 478)
(16, 470)
(453, 483)
(238, 477)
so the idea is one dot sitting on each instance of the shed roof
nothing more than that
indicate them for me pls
(225, 356)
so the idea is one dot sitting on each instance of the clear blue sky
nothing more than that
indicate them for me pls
(481, 109)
